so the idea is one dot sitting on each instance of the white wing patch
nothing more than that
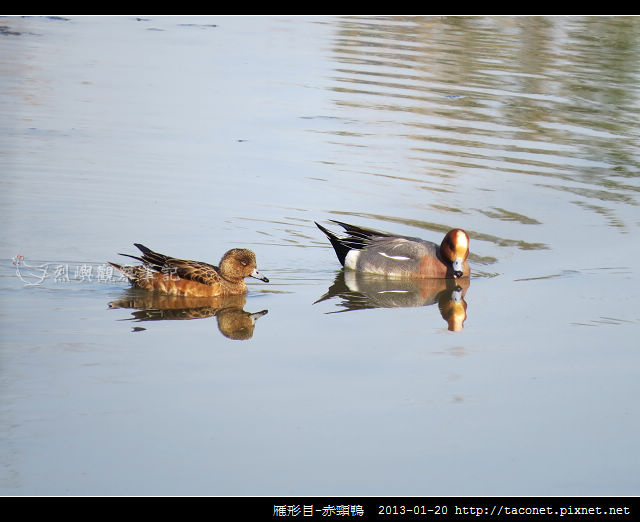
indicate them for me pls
(395, 258)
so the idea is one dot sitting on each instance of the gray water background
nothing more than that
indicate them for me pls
(193, 135)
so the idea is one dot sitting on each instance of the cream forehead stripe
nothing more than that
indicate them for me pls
(461, 240)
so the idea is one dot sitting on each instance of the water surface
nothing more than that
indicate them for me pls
(195, 134)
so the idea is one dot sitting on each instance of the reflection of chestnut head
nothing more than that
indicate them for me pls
(453, 308)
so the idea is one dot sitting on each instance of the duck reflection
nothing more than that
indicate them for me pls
(360, 291)
(233, 321)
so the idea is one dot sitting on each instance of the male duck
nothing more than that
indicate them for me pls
(192, 278)
(376, 252)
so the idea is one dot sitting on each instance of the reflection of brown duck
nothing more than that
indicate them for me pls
(233, 321)
(360, 291)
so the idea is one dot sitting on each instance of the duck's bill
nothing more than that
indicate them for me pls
(258, 275)
(457, 268)
(257, 315)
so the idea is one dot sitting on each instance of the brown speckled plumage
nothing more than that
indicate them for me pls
(175, 276)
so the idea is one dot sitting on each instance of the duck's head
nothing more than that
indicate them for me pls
(239, 263)
(454, 249)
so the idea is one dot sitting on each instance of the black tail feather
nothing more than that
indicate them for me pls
(125, 270)
(132, 257)
(360, 232)
(357, 239)
(150, 258)
(340, 248)
(143, 248)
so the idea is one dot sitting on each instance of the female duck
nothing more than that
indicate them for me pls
(376, 252)
(192, 278)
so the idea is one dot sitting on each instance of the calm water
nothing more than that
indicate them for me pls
(193, 135)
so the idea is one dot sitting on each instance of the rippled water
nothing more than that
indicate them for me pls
(192, 135)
